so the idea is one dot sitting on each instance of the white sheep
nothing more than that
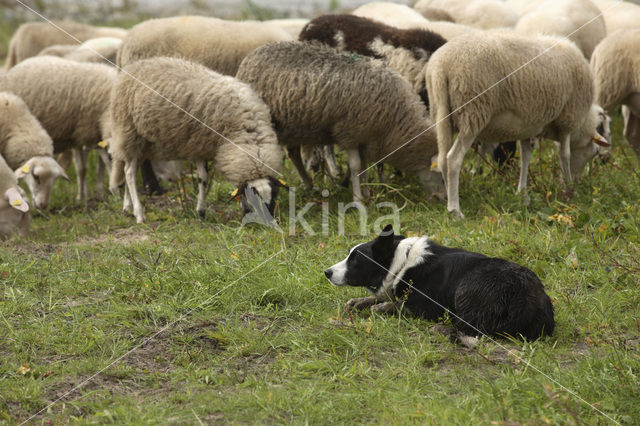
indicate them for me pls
(482, 14)
(31, 38)
(319, 95)
(616, 67)
(14, 209)
(215, 43)
(512, 96)
(228, 124)
(400, 16)
(27, 148)
(579, 20)
(71, 101)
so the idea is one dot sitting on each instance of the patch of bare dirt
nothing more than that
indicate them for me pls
(124, 236)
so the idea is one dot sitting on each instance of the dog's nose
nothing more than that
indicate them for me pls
(328, 273)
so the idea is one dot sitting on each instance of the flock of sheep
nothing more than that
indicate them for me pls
(386, 83)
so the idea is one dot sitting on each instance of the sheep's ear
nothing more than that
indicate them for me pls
(278, 182)
(62, 174)
(23, 171)
(15, 200)
(238, 192)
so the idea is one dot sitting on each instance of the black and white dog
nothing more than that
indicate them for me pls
(484, 295)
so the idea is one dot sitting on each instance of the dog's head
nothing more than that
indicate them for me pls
(368, 263)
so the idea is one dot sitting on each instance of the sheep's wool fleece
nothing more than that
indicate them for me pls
(189, 112)
(319, 95)
(554, 90)
(70, 99)
(616, 65)
(215, 43)
(21, 135)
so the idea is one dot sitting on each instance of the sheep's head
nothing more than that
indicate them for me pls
(40, 173)
(256, 195)
(597, 141)
(14, 213)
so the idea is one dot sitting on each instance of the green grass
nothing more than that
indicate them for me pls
(90, 285)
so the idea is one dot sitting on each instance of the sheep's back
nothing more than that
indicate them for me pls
(217, 44)
(318, 95)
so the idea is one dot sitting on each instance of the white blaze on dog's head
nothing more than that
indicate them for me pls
(337, 273)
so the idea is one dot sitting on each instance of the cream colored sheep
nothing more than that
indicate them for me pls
(616, 66)
(619, 15)
(579, 20)
(71, 101)
(27, 148)
(215, 43)
(243, 145)
(292, 26)
(551, 97)
(31, 38)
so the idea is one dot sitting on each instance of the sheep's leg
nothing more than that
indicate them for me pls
(130, 172)
(355, 166)
(103, 163)
(454, 159)
(432, 183)
(203, 177)
(526, 148)
(296, 159)
(565, 158)
(364, 179)
(80, 161)
(330, 161)
(126, 204)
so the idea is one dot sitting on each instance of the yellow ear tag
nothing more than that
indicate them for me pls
(17, 202)
(283, 183)
(434, 165)
(102, 144)
(235, 192)
(25, 168)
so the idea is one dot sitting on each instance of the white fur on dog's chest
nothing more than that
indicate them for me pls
(409, 253)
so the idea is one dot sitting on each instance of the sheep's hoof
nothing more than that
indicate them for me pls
(456, 214)
(201, 214)
(140, 219)
(526, 200)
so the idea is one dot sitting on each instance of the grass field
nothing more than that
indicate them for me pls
(188, 321)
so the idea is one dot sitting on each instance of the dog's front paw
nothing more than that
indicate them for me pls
(360, 303)
(383, 308)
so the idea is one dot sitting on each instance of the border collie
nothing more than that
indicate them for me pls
(485, 295)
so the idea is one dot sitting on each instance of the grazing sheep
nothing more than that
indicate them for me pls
(586, 142)
(31, 38)
(400, 16)
(59, 50)
(292, 26)
(578, 20)
(14, 209)
(616, 66)
(27, 148)
(101, 50)
(551, 97)
(483, 14)
(406, 51)
(319, 95)
(145, 125)
(71, 100)
(217, 44)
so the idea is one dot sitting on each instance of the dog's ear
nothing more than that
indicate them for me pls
(382, 248)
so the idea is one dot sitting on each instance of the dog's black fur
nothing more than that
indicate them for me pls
(485, 295)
